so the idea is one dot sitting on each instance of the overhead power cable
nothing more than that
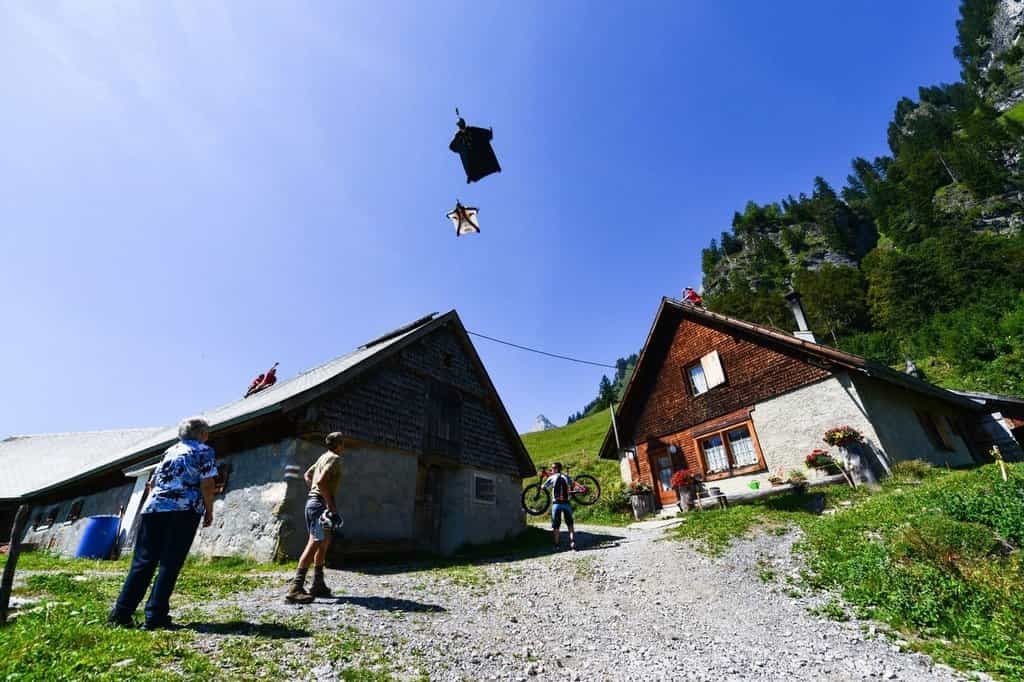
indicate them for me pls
(541, 352)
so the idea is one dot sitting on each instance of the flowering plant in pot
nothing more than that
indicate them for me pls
(819, 459)
(639, 488)
(843, 436)
(682, 479)
(683, 483)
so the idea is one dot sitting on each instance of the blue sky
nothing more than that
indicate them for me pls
(192, 191)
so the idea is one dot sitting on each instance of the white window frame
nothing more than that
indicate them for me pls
(486, 477)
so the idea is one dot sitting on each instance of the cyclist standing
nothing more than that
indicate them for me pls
(561, 486)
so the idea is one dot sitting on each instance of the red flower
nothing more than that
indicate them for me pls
(681, 478)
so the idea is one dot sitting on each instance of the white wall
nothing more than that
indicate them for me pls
(790, 426)
(892, 409)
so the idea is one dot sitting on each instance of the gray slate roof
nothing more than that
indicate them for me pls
(32, 464)
(28, 463)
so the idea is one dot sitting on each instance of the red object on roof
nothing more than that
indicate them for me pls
(691, 296)
(263, 381)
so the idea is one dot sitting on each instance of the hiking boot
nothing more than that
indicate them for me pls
(320, 589)
(298, 595)
(115, 620)
(160, 624)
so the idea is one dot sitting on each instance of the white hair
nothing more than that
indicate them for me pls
(192, 427)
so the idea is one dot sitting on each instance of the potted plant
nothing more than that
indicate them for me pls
(683, 483)
(850, 461)
(641, 498)
(798, 480)
(821, 459)
(843, 437)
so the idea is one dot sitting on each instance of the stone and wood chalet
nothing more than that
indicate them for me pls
(433, 460)
(737, 402)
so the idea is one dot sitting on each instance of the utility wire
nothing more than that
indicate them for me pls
(541, 352)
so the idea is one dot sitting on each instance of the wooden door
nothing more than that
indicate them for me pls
(663, 465)
(428, 507)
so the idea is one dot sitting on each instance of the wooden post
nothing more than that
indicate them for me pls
(20, 518)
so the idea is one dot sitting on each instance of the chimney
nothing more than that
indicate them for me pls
(797, 307)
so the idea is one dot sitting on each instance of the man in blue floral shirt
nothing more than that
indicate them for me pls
(181, 493)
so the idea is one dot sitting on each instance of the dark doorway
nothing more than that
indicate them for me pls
(428, 507)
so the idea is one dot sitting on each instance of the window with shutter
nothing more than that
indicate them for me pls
(705, 374)
(712, 366)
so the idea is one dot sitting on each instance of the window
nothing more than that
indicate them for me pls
(698, 383)
(484, 489)
(50, 517)
(75, 512)
(221, 481)
(705, 374)
(665, 472)
(730, 452)
(938, 430)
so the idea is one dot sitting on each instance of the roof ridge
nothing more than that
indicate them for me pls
(50, 434)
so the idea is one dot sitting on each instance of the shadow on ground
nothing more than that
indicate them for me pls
(242, 627)
(390, 604)
(531, 543)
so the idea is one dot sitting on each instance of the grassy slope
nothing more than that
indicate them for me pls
(576, 446)
(1016, 113)
(933, 555)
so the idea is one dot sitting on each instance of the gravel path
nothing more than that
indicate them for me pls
(626, 606)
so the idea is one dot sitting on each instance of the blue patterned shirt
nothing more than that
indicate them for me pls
(176, 479)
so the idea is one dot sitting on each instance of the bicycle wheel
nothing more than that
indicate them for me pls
(586, 489)
(536, 499)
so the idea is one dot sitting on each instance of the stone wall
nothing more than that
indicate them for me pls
(248, 515)
(377, 495)
(63, 537)
(466, 521)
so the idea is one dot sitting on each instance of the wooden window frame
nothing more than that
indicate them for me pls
(484, 500)
(722, 431)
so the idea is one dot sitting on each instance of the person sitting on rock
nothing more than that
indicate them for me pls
(560, 486)
(322, 520)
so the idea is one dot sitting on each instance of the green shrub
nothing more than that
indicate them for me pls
(944, 542)
(989, 500)
(912, 469)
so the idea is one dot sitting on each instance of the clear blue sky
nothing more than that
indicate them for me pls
(189, 194)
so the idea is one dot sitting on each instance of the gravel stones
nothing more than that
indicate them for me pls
(636, 608)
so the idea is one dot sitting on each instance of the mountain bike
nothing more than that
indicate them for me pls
(536, 498)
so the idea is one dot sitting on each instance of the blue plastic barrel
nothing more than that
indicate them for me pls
(98, 538)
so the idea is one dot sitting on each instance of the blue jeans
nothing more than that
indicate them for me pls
(163, 540)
